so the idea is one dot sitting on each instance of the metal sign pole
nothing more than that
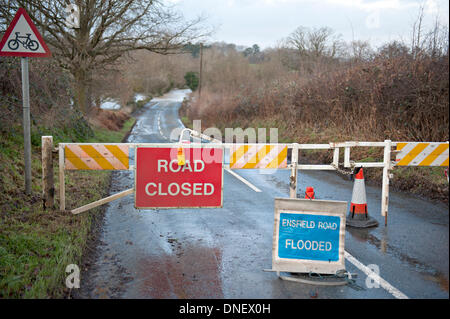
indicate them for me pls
(385, 185)
(26, 124)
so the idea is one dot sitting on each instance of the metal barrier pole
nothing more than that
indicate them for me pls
(385, 187)
(336, 157)
(26, 124)
(293, 178)
(347, 156)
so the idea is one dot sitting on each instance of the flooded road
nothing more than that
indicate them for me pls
(221, 253)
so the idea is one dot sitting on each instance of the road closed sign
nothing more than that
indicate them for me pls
(309, 236)
(178, 177)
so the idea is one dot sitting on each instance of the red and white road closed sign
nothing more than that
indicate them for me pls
(161, 182)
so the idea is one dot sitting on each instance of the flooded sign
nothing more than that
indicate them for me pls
(164, 181)
(309, 236)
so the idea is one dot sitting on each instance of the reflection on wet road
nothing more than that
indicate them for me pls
(221, 253)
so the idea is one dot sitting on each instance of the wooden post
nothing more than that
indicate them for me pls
(48, 185)
(62, 185)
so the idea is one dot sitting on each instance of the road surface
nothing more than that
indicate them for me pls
(221, 253)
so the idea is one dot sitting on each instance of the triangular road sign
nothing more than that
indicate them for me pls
(23, 39)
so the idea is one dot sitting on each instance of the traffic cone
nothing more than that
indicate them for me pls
(309, 193)
(358, 215)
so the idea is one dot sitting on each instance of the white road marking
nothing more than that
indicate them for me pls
(383, 283)
(243, 180)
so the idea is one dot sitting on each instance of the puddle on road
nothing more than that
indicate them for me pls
(190, 272)
(428, 272)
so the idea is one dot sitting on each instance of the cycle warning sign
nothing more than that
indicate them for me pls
(23, 39)
(309, 236)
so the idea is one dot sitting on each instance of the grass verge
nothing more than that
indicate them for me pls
(37, 245)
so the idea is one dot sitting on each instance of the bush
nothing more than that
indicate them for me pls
(50, 98)
(397, 98)
(192, 80)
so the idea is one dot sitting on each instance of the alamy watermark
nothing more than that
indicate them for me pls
(73, 280)
(73, 16)
(249, 136)
(373, 279)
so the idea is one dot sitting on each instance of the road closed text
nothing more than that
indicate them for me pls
(176, 189)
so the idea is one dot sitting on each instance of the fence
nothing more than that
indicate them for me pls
(116, 156)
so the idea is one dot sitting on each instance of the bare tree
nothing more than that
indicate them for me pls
(315, 43)
(299, 40)
(436, 40)
(108, 30)
(360, 50)
(417, 32)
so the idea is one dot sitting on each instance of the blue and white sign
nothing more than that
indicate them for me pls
(309, 236)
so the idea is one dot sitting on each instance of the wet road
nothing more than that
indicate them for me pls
(221, 253)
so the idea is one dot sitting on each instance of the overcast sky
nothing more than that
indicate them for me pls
(265, 22)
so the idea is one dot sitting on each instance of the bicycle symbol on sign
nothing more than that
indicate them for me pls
(26, 42)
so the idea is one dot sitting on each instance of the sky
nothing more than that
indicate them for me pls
(266, 22)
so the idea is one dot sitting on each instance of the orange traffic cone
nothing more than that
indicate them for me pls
(358, 215)
(309, 194)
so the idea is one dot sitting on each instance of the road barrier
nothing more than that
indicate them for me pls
(422, 154)
(258, 156)
(96, 157)
(115, 156)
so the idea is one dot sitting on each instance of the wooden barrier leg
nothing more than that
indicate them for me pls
(48, 186)
(102, 201)
(62, 186)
